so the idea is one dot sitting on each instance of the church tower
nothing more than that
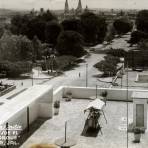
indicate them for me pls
(79, 8)
(66, 7)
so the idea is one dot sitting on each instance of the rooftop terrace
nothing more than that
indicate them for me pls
(114, 132)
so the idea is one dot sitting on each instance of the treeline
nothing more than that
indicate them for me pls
(141, 28)
(139, 37)
(47, 27)
(35, 37)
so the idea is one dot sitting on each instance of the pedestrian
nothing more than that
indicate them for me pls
(22, 83)
(79, 74)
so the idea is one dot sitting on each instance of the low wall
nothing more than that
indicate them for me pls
(142, 78)
(113, 93)
(20, 118)
(38, 99)
(58, 94)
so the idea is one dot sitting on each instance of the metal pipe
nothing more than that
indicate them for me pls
(7, 134)
(127, 100)
(65, 131)
(28, 119)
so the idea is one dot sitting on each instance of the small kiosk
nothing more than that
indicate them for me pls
(140, 109)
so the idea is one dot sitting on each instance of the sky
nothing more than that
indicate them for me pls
(59, 4)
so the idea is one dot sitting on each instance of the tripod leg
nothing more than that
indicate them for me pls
(104, 116)
(100, 128)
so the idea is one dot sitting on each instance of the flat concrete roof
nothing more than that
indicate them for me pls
(21, 101)
(140, 95)
(114, 132)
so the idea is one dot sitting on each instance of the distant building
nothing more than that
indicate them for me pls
(72, 13)
(79, 8)
(66, 11)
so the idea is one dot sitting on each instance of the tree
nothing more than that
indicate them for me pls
(14, 69)
(137, 36)
(112, 59)
(47, 16)
(142, 21)
(72, 25)
(37, 48)
(52, 31)
(19, 24)
(15, 48)
(116, 52)
(31, 26)
(110, 33)
(94, 28)
(122, 25)
(143, 45)
(70, 43)
(108, 69)
(108, 66)
(36, 27)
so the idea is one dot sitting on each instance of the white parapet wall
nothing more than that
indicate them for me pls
(37, 100)
(113, 93)
(142, 78)
(58, 94)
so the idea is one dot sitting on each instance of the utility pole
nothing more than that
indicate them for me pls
(32, 73)
(86, 75)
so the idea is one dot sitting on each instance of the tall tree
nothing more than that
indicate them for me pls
(36, 27)
(123, 25)
(15, 48)
(94, 27)
(70, 43)
(37, 48)
(52, 31)
(72, 25)
(110, 33)
(142, 21)
(137, 36)
(32, 25)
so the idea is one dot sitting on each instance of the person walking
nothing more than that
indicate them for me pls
(79, 74)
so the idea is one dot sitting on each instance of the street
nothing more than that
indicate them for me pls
(72, 77)
(81, 75)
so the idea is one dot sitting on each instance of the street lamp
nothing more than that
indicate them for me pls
(86, 75)
(32, 74)
(127, 106)
(96, 91)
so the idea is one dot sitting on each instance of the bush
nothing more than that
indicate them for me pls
(112, 59)
(137, 130)
(65, 62)
(116, 52)
(14, 70)
(57, 104)
(108, 66)
(108, 69)
(137, 36)
(62, 63)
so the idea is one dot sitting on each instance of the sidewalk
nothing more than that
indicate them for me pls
(37, 74)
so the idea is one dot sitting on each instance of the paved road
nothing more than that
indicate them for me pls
(72, 77)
